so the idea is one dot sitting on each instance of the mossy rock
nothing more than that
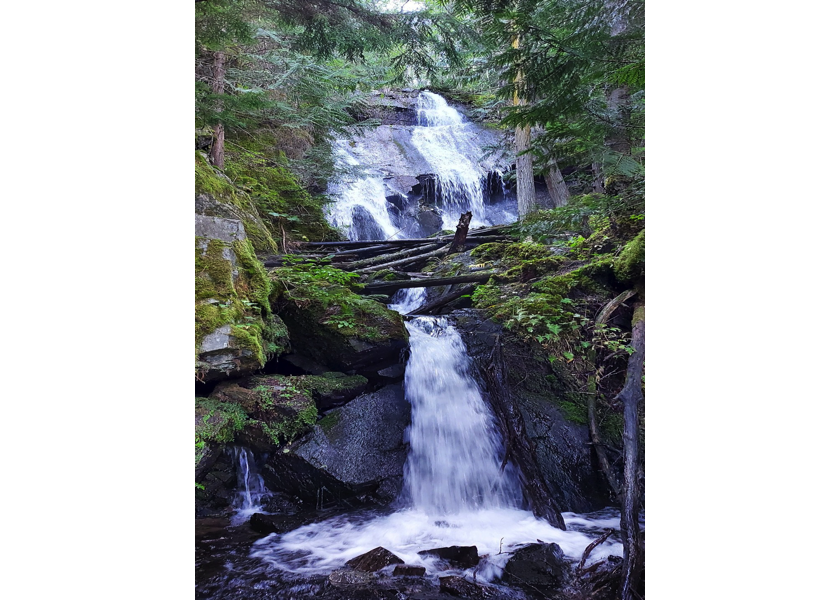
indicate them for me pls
(216, 196)
(332, 325)
(216, 422)
(630, 264)
(235, 331)
(260, 168)
(282, 413)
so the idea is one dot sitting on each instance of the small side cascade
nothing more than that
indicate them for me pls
(251, 487)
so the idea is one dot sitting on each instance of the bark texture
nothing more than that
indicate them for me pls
(217, 86)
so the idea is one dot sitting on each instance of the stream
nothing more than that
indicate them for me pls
(457, 488)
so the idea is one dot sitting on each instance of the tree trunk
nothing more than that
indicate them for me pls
(461, 232)
(383, 259)
(598, 178)
(526, 196)
(557, 187)
(405, 261)
(631, 396)
(217, 151)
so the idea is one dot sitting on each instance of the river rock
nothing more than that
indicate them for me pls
(462, 588)
(462, 556)
(376, 559)
(354, 455)
(409, 571)
(538, 565)
(265, 524)
(350, 577)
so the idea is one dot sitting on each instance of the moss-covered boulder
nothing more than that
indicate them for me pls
(332, 325)
(216, 196)
(630, 264)
(235, 331)
(354, 455)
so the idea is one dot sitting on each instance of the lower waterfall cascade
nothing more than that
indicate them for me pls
(454, 492)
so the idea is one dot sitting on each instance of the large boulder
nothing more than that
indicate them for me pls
(561, 446)
(330, 325)
(540, 566)
(354, 455)
(460, 556)
(234, 328)
(375, 560)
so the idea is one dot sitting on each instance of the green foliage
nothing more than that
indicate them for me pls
(216, 422)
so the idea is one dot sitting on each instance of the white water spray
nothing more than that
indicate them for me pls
(360, 206)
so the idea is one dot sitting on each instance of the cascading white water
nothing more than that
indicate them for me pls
(251, 487)
(456, 452)
(359, 206)
(406, 300)
(448, 143)
(454, 494)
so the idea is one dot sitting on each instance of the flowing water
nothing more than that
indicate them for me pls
(250, 486)
(443, 144)
(455, 491)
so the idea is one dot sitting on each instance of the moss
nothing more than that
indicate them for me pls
(486, 296)
(490, 251)
(331, 382)
(259, 167)
(330, 421)
(316, 297)
(211, 182)
(284, 411)
(241, 302)
(574, 412)
(216, 422)
(630, 263)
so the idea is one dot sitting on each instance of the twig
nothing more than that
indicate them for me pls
(592, 546)
(500, 545)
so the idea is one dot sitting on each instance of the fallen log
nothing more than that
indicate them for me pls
(442, 301)
(483, 234)
(393, 286)
(405, 261)
(386, 258)
(631, 395)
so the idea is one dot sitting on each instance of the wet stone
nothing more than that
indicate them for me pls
(460, 587)
(350, 577)
(538, 565)
(409, 571)
(462, 556)
(376, 559)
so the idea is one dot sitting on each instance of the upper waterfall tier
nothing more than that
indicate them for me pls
(414, 176)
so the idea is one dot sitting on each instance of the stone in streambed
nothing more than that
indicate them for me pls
(462, 556)
(349, 577)
(460, 587)
(376, 559)
(409, 571)
(538, 565)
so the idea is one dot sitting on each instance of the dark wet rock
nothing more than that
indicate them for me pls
(462, 556)
(409, 571)
(561, 447)
(354, 455)
(539, 566)
(462, 588)
(394, 372)
(350, 577)
(376, 559)
(231, 391)
(265, 524)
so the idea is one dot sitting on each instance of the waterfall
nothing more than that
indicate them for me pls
(443, 144)
(456, 452)
(454, 494)
(360, 207)
(251, 487)
(447, 142)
